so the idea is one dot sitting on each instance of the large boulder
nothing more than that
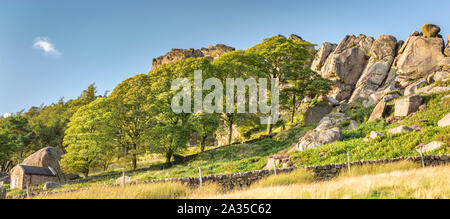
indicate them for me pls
(123, 179)
(326, 132)
(444, 121)
(382, 54)
(423, 148)
(378, 111)
(315, 113)
(400, 129)
(353, 125)
(414, 87)
(430, 30)
(2, 192)
(322, 54)
(346, 63)
(407, 105)
(51, 186)
(47, 157)
(419, 55)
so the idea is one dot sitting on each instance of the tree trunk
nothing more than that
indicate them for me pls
(86, 173)
(293, 108)
(134, 161)
(230, 131)
(169, 154)
(269, 126)
(202, 144)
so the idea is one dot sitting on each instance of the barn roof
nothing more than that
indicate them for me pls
(33, 170)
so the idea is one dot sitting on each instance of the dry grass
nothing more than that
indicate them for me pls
(426, 183)
(400, 180)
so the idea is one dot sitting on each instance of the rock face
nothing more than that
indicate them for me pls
(407, 105)
(378, 111)
(211, 52)
(322, 54)
(2, 192)
(419, 55)
(429, 147)
(326, 132)
(447, 49)
(382, 54)
(346, 63)
(51, 185)
(400, 129)
(46, 157)
(444, 121)
(315, 113)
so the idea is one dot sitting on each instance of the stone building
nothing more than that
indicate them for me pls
(23, 175)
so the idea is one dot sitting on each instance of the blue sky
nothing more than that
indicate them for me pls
(51, 48)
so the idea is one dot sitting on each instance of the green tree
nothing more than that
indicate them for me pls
(307, 84)
(6, 152)
(206, 125)
(172, 130)
(132, 115)
(15, 128)
(283, 59)
(89, 138)
(236, 64)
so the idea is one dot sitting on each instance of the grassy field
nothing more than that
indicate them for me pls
(398, 180)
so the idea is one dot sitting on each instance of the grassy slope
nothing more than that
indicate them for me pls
(246, 157)
(388, 145)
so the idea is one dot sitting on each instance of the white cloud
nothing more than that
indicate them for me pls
(44, 44)
(6, 115)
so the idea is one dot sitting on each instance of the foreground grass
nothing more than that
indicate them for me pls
(396, 180)
(427, 183)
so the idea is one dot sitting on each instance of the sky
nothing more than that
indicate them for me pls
(51, 49)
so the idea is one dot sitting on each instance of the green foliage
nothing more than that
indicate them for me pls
(172, 130)
(89, 138)
(133, 115)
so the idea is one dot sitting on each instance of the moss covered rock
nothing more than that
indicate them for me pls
(430, 30)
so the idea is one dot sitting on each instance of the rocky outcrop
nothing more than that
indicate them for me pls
(315, 113)
(407, 105)
(346, 63)
(378, 111)
(419, 55)
(322, 54)
(382, 54)
(444, 121)
(211, 52)
(46, 157)
(326, 132)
